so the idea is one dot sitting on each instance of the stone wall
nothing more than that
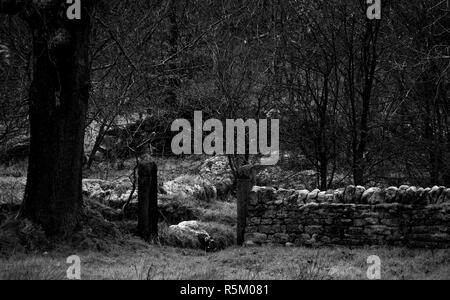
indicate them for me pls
(405, 216)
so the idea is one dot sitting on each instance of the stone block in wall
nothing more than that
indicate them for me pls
(349, 194)
(356, 230)
(328, 221)
(426, 229)
(291, 221)
(391, 194)
(358, 193)
(270, 213)
(280, 238)
(430, 237)
(373, 196)
(434, 194)
(359, 222)
(339, 196)
(266, 221)
(392, 222)
(255, 221)
(422, 196)
(313, 229)
(401, 195)
(444, 197)
(372, 230)
(379, 197)
(256, 237)
(321, 197)
(253, 198)
(302, 197)
(263, 195)
(367, 195)
(251, 229)
(278, 203)
(410, 195)
(329, 196)
(372, 221)
(292, 228)
(302, 239)
(312, 196)
(447, 196)
(283, 195)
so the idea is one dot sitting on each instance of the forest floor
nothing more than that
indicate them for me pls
(129, 257)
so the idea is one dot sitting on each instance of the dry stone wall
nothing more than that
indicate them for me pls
(405, 216)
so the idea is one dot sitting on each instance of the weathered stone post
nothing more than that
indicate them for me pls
(245, 182)
(148, 201)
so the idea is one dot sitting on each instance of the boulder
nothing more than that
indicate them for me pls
(191, 231)
(371, 196)
(256, 238)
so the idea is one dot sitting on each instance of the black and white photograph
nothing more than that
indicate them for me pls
(224, 147)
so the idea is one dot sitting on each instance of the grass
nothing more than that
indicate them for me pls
(113, 255)
(278, 263)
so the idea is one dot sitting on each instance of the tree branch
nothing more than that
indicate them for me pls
(12, 7)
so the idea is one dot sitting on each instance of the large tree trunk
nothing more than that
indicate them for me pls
(58, 104)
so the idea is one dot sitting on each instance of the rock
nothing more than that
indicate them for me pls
(302, 197)
(286, 195)
(250, 244)
(191, 186)
(367, 195)
(391, 194)
(193, 230)
(378, 197)
(339, 196)
(445, 197)
(329, 197)
(358, 193)
(423, 198)
(435, 193)
(401, 194)
(321, 197)
(281, 238)
(410, 195)
(256, 238)
(349, 194)
(312, 197)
